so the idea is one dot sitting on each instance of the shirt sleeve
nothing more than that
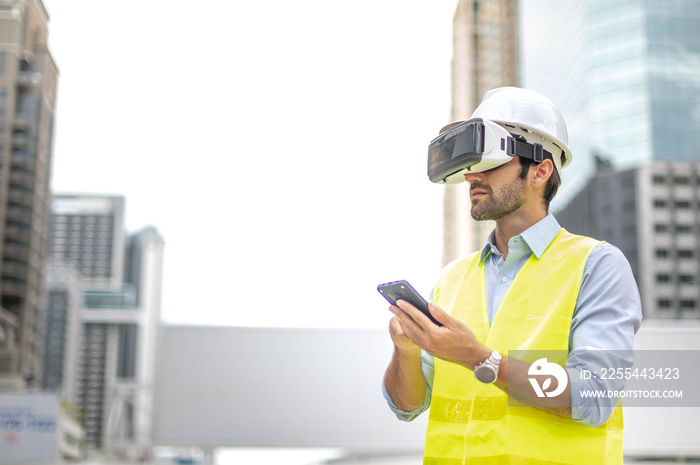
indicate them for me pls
(427, 363)
(608, 314)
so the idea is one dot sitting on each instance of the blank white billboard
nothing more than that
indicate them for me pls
(237, 387)
(278, 387)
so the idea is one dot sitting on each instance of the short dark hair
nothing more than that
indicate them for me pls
(553, 182)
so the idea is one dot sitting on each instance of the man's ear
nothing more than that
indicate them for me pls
(541, 172)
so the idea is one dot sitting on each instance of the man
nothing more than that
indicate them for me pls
(534, 293)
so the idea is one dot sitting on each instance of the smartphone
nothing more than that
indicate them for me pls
(396, 290)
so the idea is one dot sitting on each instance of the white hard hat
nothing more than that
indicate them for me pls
(529, 114)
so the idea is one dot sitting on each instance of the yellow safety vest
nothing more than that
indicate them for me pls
(471, 422)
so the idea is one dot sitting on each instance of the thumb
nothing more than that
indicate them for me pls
(439, 314)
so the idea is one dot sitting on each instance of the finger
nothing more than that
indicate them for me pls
(412, 329)
(419, 317)
(440, 315)
(395, 327)
(400, 314)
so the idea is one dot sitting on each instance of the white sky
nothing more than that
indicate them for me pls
(279, 147)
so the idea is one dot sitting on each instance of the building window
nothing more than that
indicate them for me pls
(687, 303)
(660, 228)
(684, 228)
(686, 279)
(664, 303)
(685, 253)
(681, 180)
(683, 204)
(663, 278)
(661, 253)
(659, 203)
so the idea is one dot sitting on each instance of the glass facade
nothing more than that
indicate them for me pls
(552, 59)
(624, 73)
(105, 299)
(644, 79)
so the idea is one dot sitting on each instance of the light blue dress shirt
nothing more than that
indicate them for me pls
(608, 313)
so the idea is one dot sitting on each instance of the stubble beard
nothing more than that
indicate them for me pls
(494, 207)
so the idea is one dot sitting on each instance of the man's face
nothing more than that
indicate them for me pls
(497, 192)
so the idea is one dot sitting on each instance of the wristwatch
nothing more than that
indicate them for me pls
(487, 371)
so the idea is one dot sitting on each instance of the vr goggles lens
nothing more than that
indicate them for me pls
(475, 146)
(455, 150)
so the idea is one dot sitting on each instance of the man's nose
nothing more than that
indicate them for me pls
(472, 177)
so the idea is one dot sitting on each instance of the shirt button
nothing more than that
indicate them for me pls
(504, 279)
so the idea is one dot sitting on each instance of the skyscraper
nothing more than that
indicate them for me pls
(88, 232)
(553, 60)
(484, 57)
(108, 338)
(28, 79)
(644, 80)
(627, 76)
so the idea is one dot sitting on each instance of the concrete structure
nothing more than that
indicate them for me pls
(104, 296)
(484, 57)
(28, 79)
(652, 213)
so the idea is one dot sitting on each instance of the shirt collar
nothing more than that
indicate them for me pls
(537, 237)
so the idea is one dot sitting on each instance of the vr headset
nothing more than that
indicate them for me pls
(475, 146)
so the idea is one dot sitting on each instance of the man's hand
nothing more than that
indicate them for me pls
(454, 341)
(403, 380)
(399, 338)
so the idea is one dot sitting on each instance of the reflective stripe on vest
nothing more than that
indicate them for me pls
(471, 422)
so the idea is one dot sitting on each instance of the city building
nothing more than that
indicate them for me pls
(626, 76)
(28, 79)
(103, 295)
(62, 302)
(652, 213)
(644, 80)
(484, 57)
(553, 38)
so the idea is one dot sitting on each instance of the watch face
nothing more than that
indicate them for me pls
(485, 374)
